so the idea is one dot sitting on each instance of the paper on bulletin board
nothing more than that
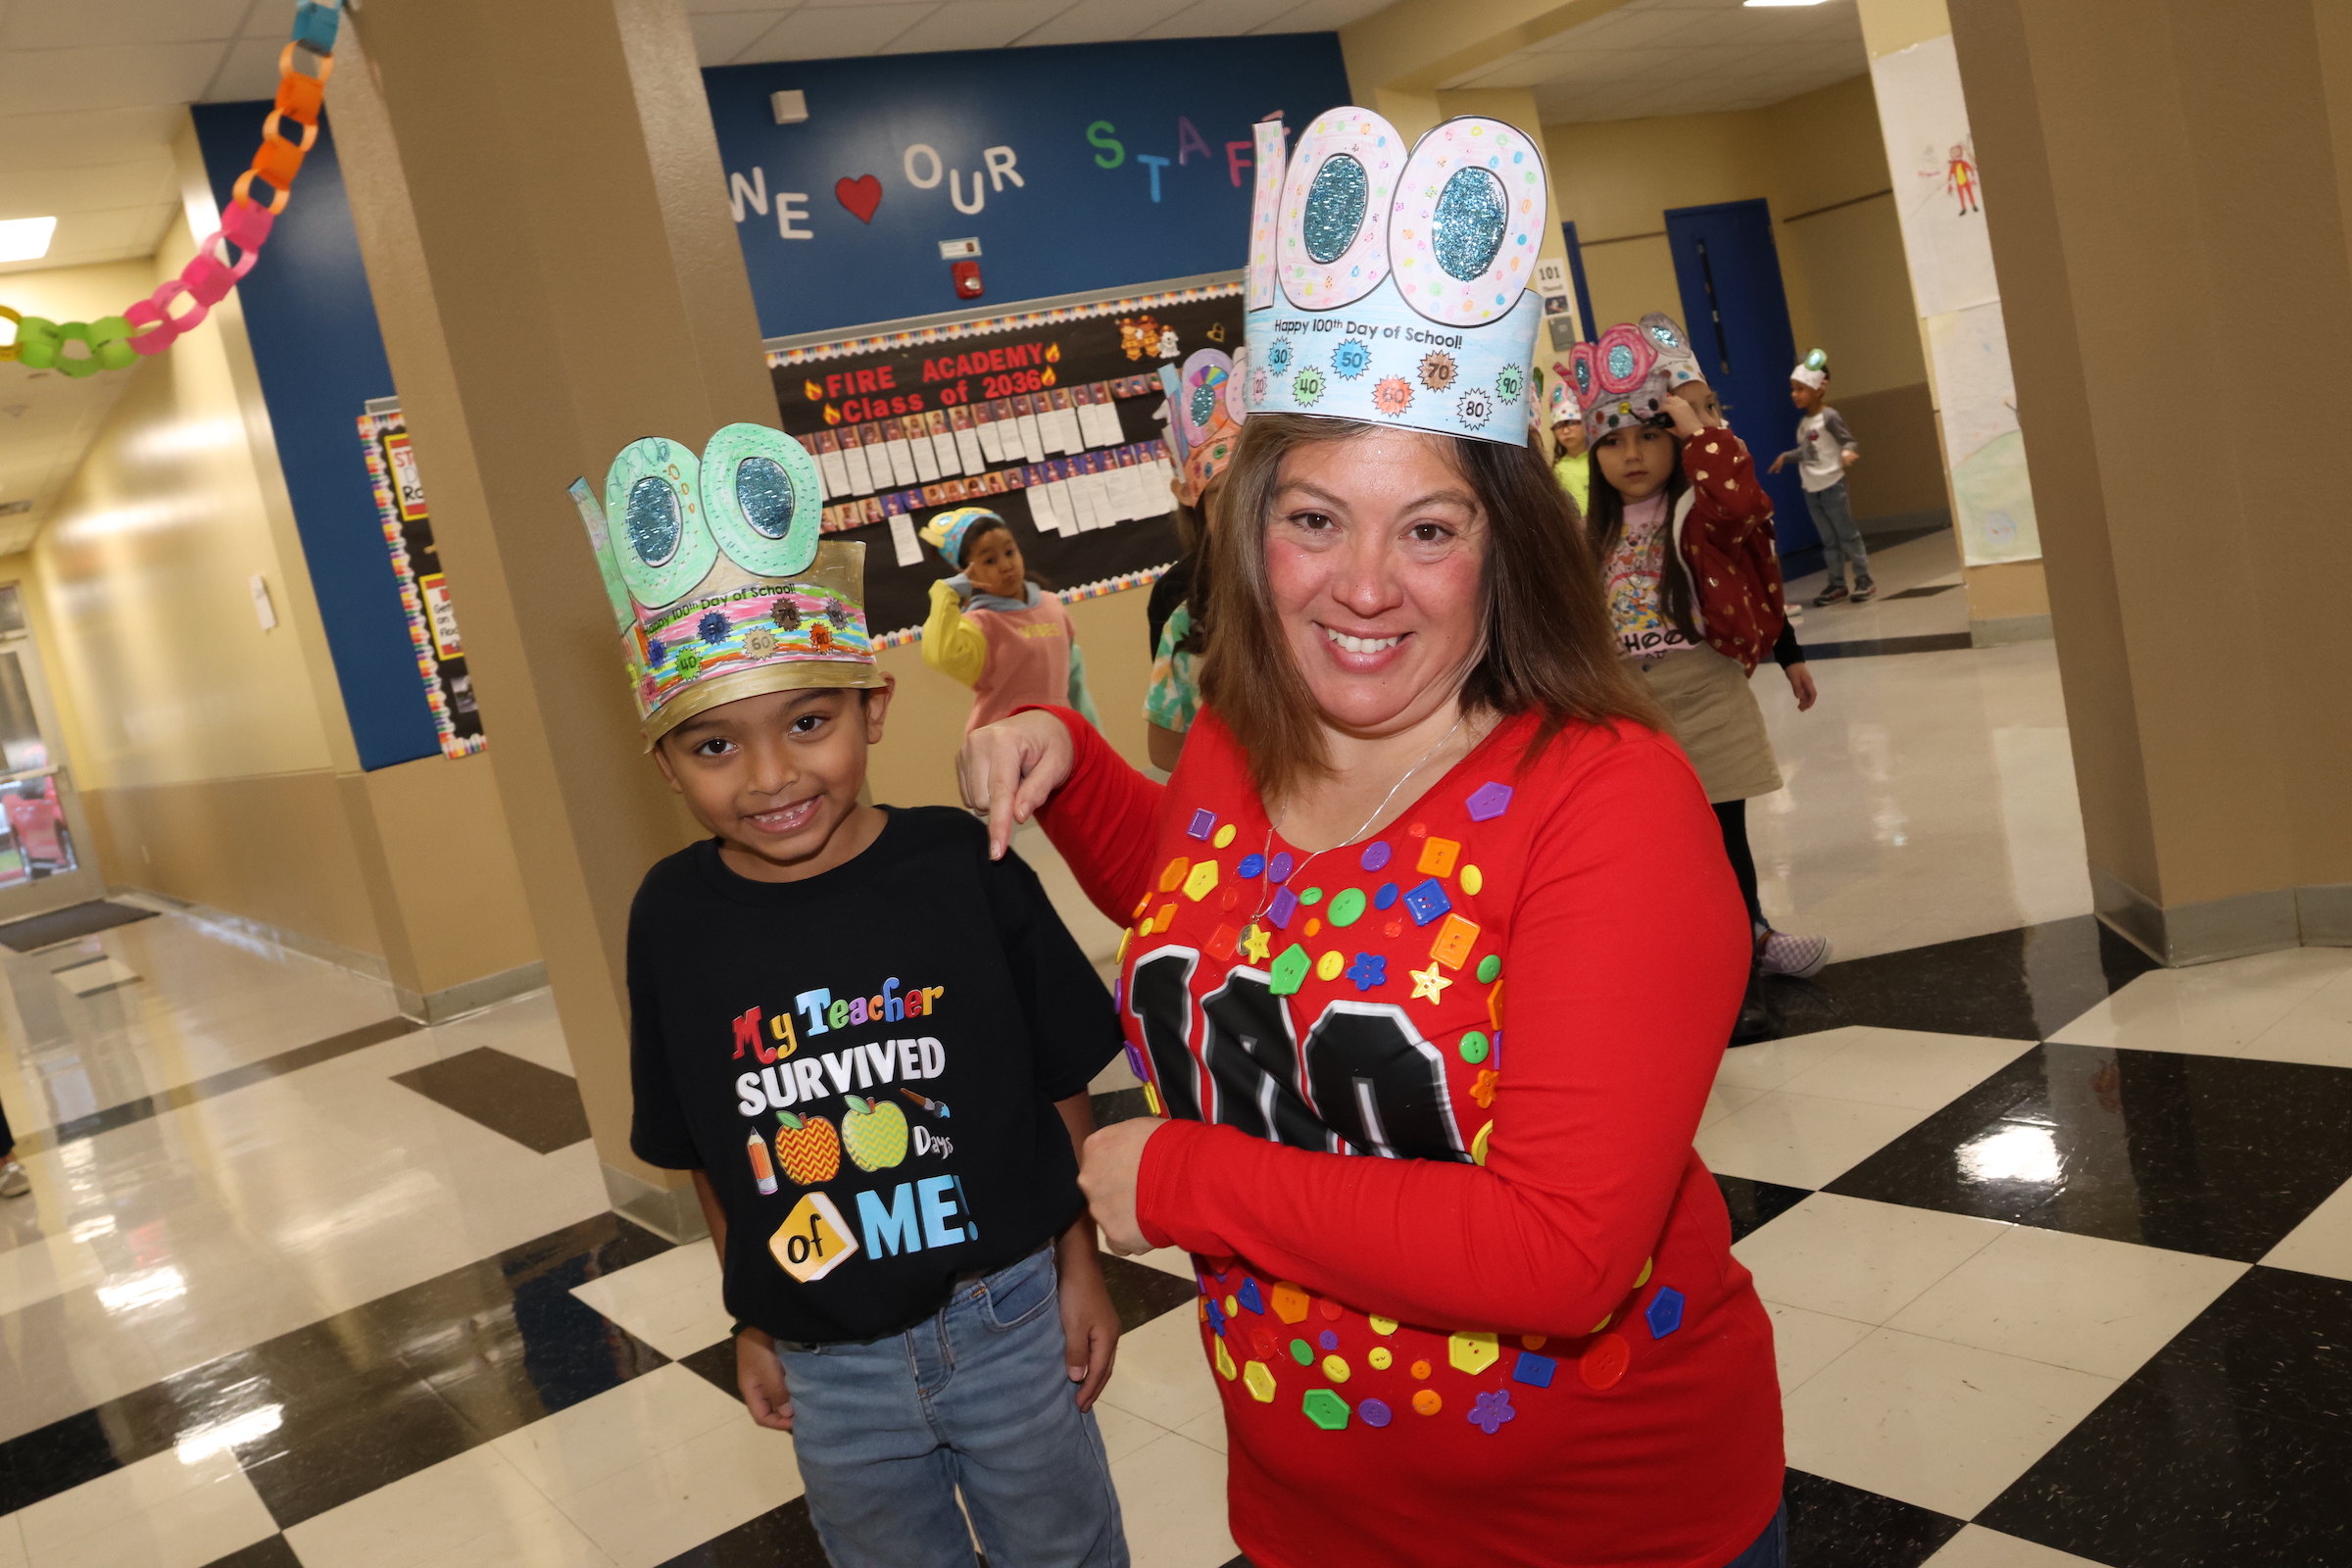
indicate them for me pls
(425, 597)
(1976, 396)
(1938, 192)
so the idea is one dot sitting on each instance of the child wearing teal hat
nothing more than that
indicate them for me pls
(993, 629)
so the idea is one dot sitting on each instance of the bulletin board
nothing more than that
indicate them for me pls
(1051, 418)
(423, 589)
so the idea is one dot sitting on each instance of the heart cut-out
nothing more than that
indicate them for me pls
(861, 196)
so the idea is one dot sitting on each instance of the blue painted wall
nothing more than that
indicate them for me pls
(315, 341)
(1081, 124)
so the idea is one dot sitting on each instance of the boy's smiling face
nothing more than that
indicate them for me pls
(775, 778)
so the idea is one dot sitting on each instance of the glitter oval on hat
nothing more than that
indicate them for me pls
(765, 496)
(652, 520)
(1471, 217)
(1335, 207)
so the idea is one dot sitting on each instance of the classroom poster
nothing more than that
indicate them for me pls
(423, 589)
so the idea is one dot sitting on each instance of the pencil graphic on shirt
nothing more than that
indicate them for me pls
(936, 1108)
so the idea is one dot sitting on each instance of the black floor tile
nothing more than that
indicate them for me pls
(147, 1106)
(2229, 1447)
(324, 1458)
(2025, 984)
(1875, 647)
(38, 931)
(781, 1537)
(1754, 1203)
(271, 1553)
(714, 1364)
(2207, 1155)
(1926, 593)
(537, 1107)
(1832, 1525)
(1143, 1292)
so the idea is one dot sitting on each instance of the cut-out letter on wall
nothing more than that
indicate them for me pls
(1000, 167)
(792, 209)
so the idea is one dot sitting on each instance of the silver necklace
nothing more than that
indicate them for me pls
(1266, 865)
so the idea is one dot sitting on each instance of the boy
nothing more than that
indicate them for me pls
(872, 1045)
(1825, 449)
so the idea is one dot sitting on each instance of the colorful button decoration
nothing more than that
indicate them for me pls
(1256, 946)
(1472, 879)
(1311, 927)
(1474, 1048)
(1477, 1145)
(1531, 1369)
(1603, 1362)
(1290, 1303)
(1328, 1309)
(1424, 903)
(1427, 1402)
(1289, 972)
(1250, 1298)
(1164, 916)
(1303, 1352)
(1492, 1411)
(1534, 1342)
(1335, 1368)
(1421, 1369)
(1429, 983)
(1488, 801)
(1642, 1278)
(1225, 1367)
(1489, 967)
(1280, 871)
(1375, 855)
(1328, 966)
(1251, 865)
(1348, 906)
(1312, 897)
(1325, 1409)
(1201, 879)
(1665, 1314)
(1216, 1316)
(1375, 1412)
(1482, 1088)
(1231, 1304)
(1472, 1352)
(1202, 821)
(1381, 1325)
(1285, 904)
(1382, 1358)
(1220, 942)
(1260, 1382)
(1454, 940)
(1436, 857)
(1369, 969)
(1328, 1340)
(1385, 896)
(1224, 836)
(1172, 875)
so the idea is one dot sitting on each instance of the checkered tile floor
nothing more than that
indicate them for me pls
(2058, 1251)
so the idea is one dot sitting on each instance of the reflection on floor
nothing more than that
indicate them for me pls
(2057, 1246)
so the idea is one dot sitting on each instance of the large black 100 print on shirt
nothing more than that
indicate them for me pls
(1365, 1082)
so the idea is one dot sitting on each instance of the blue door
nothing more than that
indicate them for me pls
(1729, 271)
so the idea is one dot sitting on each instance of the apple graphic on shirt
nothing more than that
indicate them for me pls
(808, 1148)
(875, 1131)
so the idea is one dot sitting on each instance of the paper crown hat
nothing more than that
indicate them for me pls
(1393, 286)
(1561, 395)
(1623, 378)
(719, 586)
(1812, 370)
(946, 532)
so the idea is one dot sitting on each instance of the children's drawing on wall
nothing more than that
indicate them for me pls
(1960, 178)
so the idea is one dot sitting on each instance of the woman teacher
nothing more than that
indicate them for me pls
(1433, 947)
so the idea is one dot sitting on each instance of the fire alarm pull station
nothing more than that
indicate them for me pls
(967, 279)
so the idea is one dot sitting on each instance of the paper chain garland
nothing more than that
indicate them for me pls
(180, 305)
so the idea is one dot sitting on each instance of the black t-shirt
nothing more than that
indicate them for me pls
(865, 1064)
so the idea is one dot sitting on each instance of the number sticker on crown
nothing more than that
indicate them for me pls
(1467, 222)
(1332, 241)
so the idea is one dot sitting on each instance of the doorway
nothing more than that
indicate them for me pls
(45, 860)
(1729, 271)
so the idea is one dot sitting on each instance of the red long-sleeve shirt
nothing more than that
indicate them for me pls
(1729, 549)
(1521, 1338)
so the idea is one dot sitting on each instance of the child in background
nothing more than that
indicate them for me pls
(1825, 449)
(1173, 698)
(1572, 468)
(993, 629)
(918, 1301)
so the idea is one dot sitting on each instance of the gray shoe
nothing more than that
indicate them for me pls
(13, 1183)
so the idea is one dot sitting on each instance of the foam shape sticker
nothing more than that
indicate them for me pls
(762, 496)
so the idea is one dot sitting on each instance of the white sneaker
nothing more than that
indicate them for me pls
(1800, 956)
(13, 1183)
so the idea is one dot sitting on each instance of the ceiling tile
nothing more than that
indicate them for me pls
(1217, 19)
(719, 37)
(772, 8)
(1104, 20)
(249, 72)
(68, 24)
(108, 76)
(78, 140)
(976, 25)
(823, 32)
(1323, 15)
(139, 184)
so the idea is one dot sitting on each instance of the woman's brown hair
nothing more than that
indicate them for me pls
(1548, 648)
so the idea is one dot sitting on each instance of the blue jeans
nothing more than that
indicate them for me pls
(1771, 1549)
(976, 1397)
(1840, 536)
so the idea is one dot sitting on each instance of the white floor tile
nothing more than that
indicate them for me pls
(1770, 1063)
(682, 1496)
(524, 1026)
(87, 977)
(1803, 1343)
(1125, 1432)
(1170, 1260)
(1858, 1260)
(1978, 1547)
(45, 1267)
(1944, 1426)
(157, 1513)
(2076, 1301)
(1209, 1430)
(1724, 1098)
(1172, 1503)
(469, 1503)
(1904, 1067)
(2211, 1009)
(1800, 1139)
(2323, 1242)
(2315, 1030)
(581, 1447)
(671, 1301)
(12, 1544)
(1161, 1375)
